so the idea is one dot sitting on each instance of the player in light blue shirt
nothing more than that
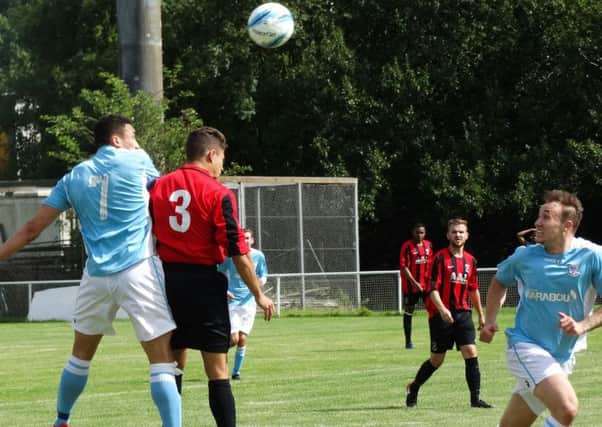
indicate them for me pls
(554, 278)
(241, 303)
(568, 277)
(109, 194)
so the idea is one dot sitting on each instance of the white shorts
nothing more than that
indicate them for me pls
(139, 290)
(581, 343)
(242, 317)
(531, 364)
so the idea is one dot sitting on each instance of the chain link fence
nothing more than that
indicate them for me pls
(374, 290)
(302, 225)
(342, 292)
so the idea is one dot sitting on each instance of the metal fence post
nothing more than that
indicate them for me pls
(29, 297)
(278, 296)
(358, 290)
(399, 294)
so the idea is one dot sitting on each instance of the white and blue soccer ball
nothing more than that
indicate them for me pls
(270, 25)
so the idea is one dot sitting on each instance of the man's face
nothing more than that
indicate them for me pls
(419, 233)
(457, 235)
(549, 226)
(127, 138)
(249, 239)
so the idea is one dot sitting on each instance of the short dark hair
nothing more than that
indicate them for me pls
(418, 225)
(250, 231)
(571, 205)
(107, 126)
(202, 140)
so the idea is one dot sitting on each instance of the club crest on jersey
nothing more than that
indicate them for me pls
(574, 270)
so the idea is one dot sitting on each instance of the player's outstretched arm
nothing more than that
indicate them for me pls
(496, 295)
(32, 229)
(523, 236)
(245, 268)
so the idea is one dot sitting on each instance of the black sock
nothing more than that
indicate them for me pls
(424, 373)
(473, 378)
(221, 402)
(407, 327)
(179, 383)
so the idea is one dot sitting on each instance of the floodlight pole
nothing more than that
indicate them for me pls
(140, 46)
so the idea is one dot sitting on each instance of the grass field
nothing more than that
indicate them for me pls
(299, 371)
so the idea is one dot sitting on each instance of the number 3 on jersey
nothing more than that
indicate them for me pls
(181, 221)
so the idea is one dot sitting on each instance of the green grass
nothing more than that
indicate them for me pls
(299, 371)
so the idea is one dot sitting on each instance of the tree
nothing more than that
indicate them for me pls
(439, 108)
(163, 140)
(48, 61)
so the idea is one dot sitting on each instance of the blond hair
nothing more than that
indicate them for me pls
(456, 221)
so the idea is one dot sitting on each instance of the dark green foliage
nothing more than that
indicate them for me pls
(469, 108)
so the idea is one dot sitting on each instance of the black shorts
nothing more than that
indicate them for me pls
(199, 305)
(412, 298)
(444, 335)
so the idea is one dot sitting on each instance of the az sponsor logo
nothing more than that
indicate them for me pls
(459, 278)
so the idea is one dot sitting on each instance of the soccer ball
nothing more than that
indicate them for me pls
(270, 25)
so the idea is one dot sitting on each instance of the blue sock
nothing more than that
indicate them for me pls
(239, 358)
(165, 393)
(550, 421)
(73, 382)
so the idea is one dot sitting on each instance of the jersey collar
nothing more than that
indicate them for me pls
(196, 168)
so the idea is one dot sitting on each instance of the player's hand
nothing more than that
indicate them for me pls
(418, 287)
(481, 322)
(569, 325)
(488, 331)
(267, 305)
(229, 295)
(446, 315)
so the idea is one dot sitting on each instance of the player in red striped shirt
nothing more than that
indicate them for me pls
(196, 226)
(415, 259)
(453, 281)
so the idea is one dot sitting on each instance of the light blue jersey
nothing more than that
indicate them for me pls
(549, 284)
(237, 286)
(108, 192)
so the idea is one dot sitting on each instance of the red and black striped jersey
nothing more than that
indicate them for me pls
(453, 277)
(418, 259)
